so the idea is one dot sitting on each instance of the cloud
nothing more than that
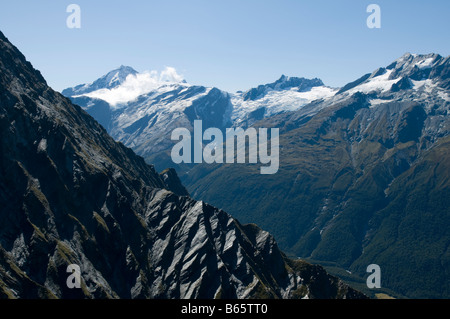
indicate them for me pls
(137, 85)
(170, 75)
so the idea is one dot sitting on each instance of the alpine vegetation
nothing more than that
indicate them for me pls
(213, 151)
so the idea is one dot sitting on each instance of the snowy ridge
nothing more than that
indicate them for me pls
(380, 83)
(412, 73)
(277, 101)
(110, 80)
(286, 94)
(120, 90)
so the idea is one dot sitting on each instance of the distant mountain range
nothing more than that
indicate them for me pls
(71, 195)
(364, 169)
(364, 178)
(145, 121)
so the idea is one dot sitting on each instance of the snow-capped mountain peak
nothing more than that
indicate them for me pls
(410, 71)
(414, 66)
(283, 83)
(125, 85)
(110, 80)
(285, 94)
(118, 76)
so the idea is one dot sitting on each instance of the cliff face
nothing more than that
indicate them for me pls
(69, 194)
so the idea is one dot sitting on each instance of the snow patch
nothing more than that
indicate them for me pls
(425, 64)
(444, 96)
(421, 84)
(378, 83)
(42, 147)
(375, 102)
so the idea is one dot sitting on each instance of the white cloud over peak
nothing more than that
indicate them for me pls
(137, 85)
(170, 75)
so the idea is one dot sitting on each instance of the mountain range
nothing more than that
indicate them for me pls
(71, 195)
(145, 121)
(363, 178)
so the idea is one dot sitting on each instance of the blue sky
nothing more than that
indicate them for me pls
(233, 45)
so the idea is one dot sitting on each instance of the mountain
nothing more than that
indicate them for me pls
(284, 83)
(70, 194)
(98, 108)
(145, 120)
(364, 178)
(285, 94)
(110, 80)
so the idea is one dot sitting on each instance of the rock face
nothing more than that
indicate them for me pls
(363, 178)
(70, 194)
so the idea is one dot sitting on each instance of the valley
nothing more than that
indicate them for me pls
(363, 174)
